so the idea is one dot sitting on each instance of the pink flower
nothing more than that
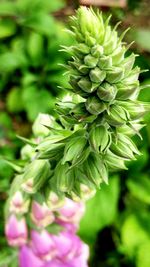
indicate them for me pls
(28, 259)
(16, 231)
(82, 259)
(56, 263)
(68, 227)
(68, 246)
(41, 215)
(43, 245)
(71, 212)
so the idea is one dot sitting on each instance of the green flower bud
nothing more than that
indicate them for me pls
(83, 188)
(74, 149)
(90, 40)
(97, 51)
(118, 55)
(27, 152)
(90, 61)
(131, 129)
(94, 105)
(99, 138)
(64, 178)
(126, 91)
(136, 109)
(86, 85)
(111, 44)
(124, 147)
(82, 48)
(35, 175)
(95, 169)
(105, 62)
(76, 88)
(128, 63)
(132, 76)
(83, 69)
(41, 121)
(107, 92)
(97, 75)
(117, 116)
(89, 23)
(115, 75)
(53, 152)
(114, 162)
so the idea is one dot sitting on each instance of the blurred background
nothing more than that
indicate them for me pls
(117, 221)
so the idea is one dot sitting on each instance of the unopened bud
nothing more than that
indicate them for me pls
(94, 105)
(97, 75)
(99, 138)
(39, 126)
(90, 61)
(107, 92)
(97, 51)
(41, 214)
(35, 175)
(114, 75)
(86, 85)
(19, 203)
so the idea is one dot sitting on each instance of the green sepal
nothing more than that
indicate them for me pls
(90, 61)
(53, 152)
(126, 91)
(95, 169)
(35, 175)
(105, 62)
(64, 177)
(95, 106)
(114, 162)
(86, 85)
(74, 149)
(97, 75)
(115, 75)
(107, 92)
(99, 138)
(136, 109)
(117, 116)
(97, 51)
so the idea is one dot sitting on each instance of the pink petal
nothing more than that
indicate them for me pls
(28, 259)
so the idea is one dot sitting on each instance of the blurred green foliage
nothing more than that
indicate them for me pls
(117, 220)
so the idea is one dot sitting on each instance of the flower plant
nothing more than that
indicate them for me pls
(91, 135)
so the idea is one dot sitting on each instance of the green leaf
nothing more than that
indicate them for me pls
(14, 100)
(41, 23)
(143, 255)
(35, 47)
(135, 231)
(7, 8)
(8, 258)
(36, 101)
(101, 210)
(142, 38)
(140, 187)
(7, 28)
